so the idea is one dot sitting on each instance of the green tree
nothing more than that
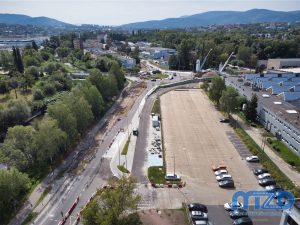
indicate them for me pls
(15, 113)
(117, 72)
(250, 112)
(33, 71)
(93, 96)
(18, 62)
(35, 46)
(112, 205)
(6, 60)
(216, 89)
(66, 120)
(244, 54)
(49, 140)
(184, 54)
(81, 110)
(173, 62)
(106, 85)
(229, 100)
(13, 186)
(18, 148)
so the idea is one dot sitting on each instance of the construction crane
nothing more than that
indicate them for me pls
(221, 68)
(199, 68)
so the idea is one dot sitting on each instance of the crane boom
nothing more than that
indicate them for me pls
(225, 64)
(205, 59)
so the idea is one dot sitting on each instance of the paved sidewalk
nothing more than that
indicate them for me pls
(257, 135)
(84, 145)
(117, 146)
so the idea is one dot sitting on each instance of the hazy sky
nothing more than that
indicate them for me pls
(116, 12)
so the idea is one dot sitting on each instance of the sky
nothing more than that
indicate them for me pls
(117, 12)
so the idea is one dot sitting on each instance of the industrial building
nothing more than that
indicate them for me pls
(278, 102)
(157, 53)
(127, 62)
(275, 64)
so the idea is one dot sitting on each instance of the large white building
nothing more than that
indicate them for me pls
(278, 103)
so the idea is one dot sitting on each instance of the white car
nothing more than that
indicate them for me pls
(265, 96)
(252, 158)
(223, 177)
(219, 172)
(230, 206)
(264, 175)
(172, 177)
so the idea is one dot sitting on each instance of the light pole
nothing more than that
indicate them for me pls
(119, 152)
(174, 162)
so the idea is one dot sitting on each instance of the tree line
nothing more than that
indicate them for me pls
(72, 107)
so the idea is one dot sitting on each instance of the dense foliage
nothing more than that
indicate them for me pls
(38, 82)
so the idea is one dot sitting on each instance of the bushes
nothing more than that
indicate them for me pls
(285, 153)
(156, 174)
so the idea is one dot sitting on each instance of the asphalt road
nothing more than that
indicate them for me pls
(98, 170)
(85, 184)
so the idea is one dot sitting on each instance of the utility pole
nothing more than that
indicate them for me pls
(119, 152)
(174, 162)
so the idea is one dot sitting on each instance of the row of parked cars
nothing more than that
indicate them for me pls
(222, 176)
(198, 214)
(237, 213)
(264, 178)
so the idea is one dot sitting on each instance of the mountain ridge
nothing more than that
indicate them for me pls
(20, 19)
(218, 18)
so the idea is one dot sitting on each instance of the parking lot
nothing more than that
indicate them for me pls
(195, 137)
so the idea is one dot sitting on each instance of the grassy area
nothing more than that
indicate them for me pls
(156, 174)
(158, 76)
(276, 173)
(156, 107)
(285, 153)
(123, 169)
(29, 218)
(27, 96)
(125, 149)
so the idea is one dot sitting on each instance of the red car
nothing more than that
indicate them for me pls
(218, 167)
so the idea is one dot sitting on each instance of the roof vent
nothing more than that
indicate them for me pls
(291, 111)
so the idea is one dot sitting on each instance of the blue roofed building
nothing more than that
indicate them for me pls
(278, 108)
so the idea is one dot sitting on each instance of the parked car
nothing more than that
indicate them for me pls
(224, 120)
(226, 184)
(260, 171)
(223, 177)
(273, 188)
(238, 213)
(243, 221)
(266, 182)
(218, 167)
(172, 177)
(252, 158)
(219, 172)
(230, 206)
(135, 132)
(153, 79)
(197, 207)
(200, 222)
(264, 175)
(198, 215)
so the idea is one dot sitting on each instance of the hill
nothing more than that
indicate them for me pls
(218, 18)
(27, 20)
